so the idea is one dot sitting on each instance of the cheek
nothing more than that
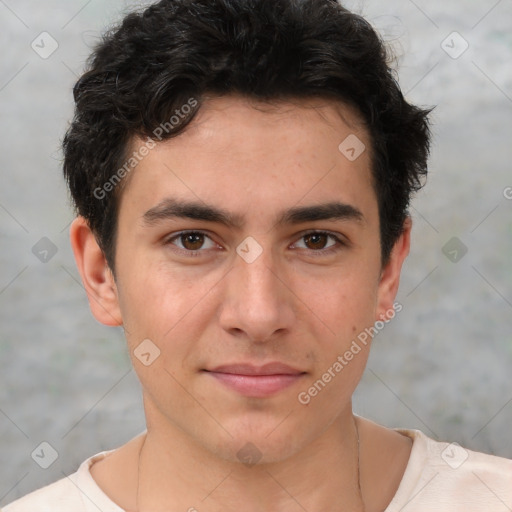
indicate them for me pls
(342, 349)
(162, 317)
(341, 314)
(342, 304)
(168, 306)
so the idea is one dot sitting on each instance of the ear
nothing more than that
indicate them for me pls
(96, 275)
(390, 275)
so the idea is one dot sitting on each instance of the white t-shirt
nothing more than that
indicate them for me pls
(439, 477)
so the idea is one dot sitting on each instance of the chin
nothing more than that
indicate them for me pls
(254, 445)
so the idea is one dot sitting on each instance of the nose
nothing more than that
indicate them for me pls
(257, 304)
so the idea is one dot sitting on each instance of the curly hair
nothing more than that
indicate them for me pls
(150, 65)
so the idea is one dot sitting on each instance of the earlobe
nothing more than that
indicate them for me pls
(390, 276)
(96, 276)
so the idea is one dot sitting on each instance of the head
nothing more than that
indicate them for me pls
(248, 125)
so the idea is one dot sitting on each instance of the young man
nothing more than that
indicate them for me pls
(241, 172)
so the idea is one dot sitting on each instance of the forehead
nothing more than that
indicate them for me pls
(220, 119)
(242, 152)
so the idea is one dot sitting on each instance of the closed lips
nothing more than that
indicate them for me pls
(252, 370)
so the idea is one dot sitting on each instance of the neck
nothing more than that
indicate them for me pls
(177, 474)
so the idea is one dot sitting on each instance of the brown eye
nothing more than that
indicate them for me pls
(316, 240)
(192, 241)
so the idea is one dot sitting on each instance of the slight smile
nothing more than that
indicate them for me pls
(254, 381)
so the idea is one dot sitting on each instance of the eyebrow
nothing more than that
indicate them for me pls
(172, 208)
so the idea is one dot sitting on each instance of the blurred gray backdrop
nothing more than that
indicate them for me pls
(443, 365)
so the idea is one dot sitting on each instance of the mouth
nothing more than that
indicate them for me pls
(256, 381)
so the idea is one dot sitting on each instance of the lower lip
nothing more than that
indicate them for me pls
(257, 386)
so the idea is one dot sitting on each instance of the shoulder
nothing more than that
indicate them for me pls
(448, 476)
(77, 492)
(59, 496)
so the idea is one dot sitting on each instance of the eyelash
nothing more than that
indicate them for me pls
(321, 252)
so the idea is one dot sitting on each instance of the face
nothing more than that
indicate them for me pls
(249, 245)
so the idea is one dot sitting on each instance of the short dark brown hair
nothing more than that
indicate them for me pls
(146, 69)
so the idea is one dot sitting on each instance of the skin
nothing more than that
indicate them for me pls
(296, 304)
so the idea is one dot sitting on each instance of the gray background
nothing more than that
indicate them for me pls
(443, 365)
